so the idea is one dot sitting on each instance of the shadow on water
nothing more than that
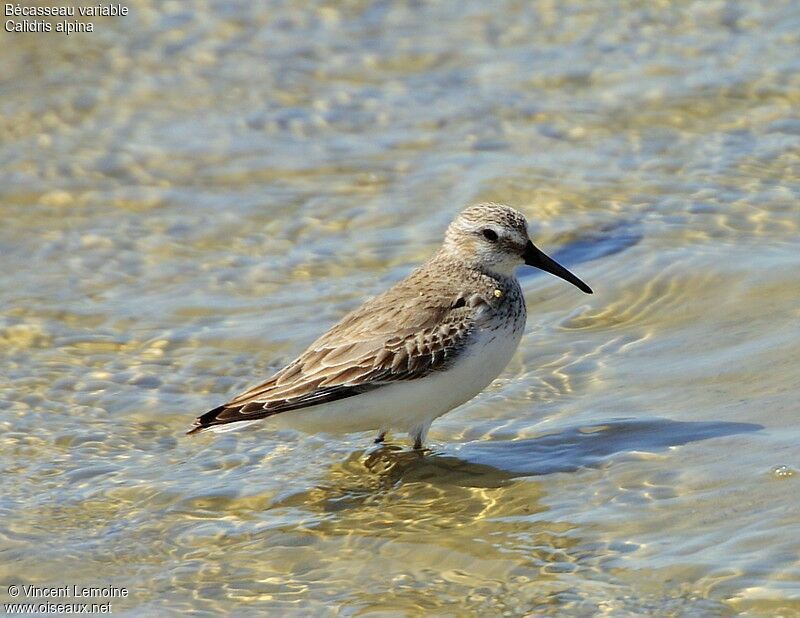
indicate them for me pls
(434, 505)
(587, 446)
(605, 241)
(488, 463)
(493, 464)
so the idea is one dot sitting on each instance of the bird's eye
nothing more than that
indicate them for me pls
(489, 234)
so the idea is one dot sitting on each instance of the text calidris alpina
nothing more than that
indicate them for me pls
(428, 344)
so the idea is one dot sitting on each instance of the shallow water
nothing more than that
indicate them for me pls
(194, 192)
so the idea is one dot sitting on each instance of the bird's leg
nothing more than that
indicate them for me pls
(418, 433)
(381, 437)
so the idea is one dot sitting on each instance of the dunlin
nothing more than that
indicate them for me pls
(425, 346)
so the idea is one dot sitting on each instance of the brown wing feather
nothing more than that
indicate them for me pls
(375, 345)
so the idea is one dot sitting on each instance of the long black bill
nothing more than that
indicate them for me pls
(534, 257)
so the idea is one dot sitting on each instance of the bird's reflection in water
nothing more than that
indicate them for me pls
(394, 464)
(426, 498)
(391, 474)
(405, 520)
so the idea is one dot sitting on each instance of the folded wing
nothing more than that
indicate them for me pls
(370, 348)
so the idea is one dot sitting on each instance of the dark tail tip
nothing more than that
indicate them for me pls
(206, 420)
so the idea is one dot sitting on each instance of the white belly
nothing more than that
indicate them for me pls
(411, 406)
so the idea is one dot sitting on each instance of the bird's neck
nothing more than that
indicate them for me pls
(474, 267)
